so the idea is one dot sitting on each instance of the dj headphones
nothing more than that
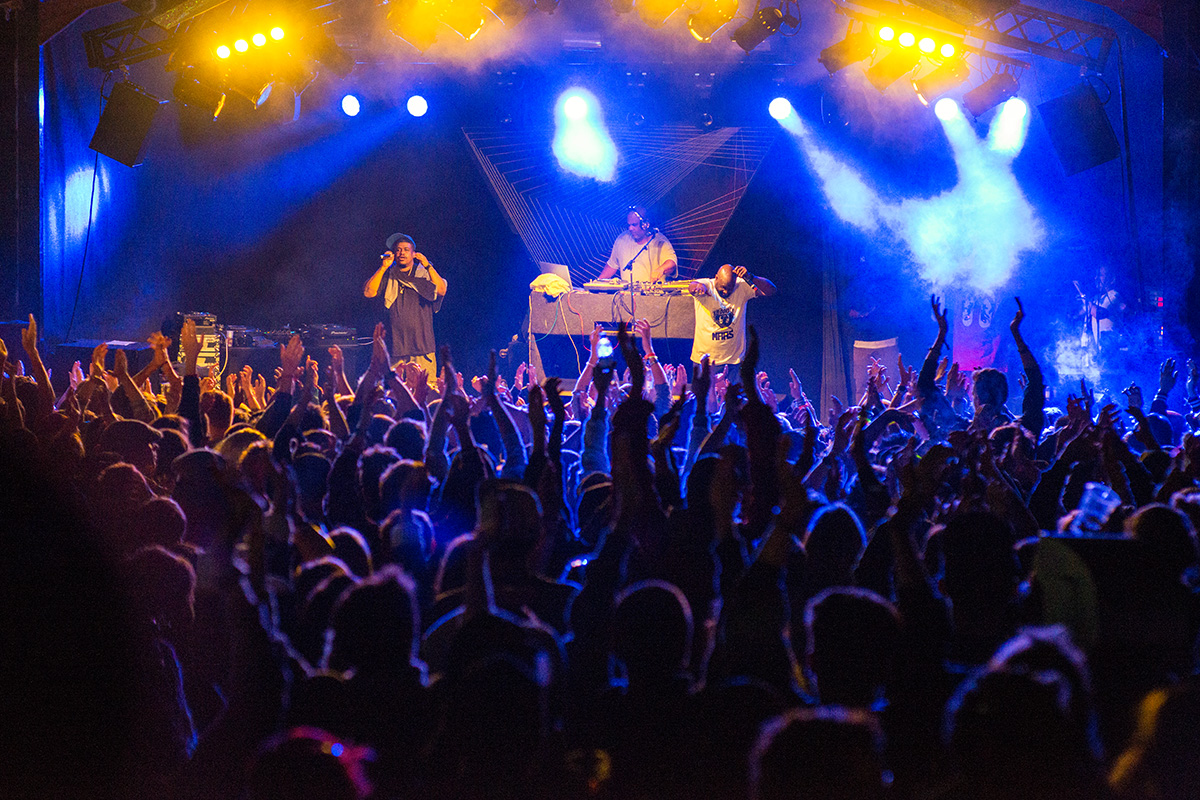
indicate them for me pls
(641, 215)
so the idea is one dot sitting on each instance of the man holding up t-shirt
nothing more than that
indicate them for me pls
(721, 314)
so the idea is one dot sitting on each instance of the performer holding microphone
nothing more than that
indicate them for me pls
(412, 293)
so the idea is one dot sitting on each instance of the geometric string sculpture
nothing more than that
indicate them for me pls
(689, 180)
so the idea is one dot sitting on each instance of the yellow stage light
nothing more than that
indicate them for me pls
(258, 39)
(887, 33)
(907, 39)
(926, 44)
(241, 45)
(277, 33)
(711, 18)
(948, 50)
(464, 18)
(223, 51)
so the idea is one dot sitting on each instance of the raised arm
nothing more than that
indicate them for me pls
(762, 286)
(439, 283)
(371, 287)
(38, 370)
(925, 381)
(514, 448)
(1033, 417)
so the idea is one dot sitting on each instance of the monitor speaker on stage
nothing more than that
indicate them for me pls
(125, 122)
(138, 355)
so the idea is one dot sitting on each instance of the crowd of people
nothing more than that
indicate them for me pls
(664, 582)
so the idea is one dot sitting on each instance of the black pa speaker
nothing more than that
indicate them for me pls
(124, 123)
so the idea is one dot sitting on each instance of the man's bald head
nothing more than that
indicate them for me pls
(725, 280)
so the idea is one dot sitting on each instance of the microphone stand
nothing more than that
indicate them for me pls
(629, 266)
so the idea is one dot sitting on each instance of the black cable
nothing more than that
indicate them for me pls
(91, 205)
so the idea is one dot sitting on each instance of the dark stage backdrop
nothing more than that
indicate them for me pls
(282, 224)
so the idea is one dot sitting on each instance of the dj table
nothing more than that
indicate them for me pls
(559, 330)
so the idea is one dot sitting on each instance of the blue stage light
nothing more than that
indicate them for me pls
(351, 106)
(780, 108)
(417, 105)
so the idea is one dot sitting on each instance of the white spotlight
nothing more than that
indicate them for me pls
(351, 106)
(946, 109)
(575, 107)
(417, 105)
(1019, 107)
(780, 108)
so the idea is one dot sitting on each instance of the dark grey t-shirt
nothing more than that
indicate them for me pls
(411, 315)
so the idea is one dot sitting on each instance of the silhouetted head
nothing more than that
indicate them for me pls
(853, 635)
(652, 630)
(1166, 535)
(375, 624)
(307, 763)
(825, 753)
(989, 387)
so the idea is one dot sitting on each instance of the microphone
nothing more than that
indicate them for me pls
(655, 231)
(385, 254)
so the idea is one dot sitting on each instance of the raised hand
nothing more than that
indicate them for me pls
(29, 339)
(519, 378)
(121, 365)
(1167, 376)
(1015, 325)
(679, 378)
(594, 339)
(1193, 378)
(1134, 396)
(940, 314)
(633, 361)
(842, 430)
(191, 344)
(290, 356)
(641, 327)
(764, 390)
(75, 378)
(554, 397)
(99, 354)
(835, 410)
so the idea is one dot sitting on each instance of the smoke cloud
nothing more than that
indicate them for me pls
(974, 233)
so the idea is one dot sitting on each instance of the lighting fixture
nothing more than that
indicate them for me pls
(991, 93)
(655, 12)
(464, 18)
(192, 92)
(764, 24)
(711, 17)
(941, 80)
(855, 47)
(888, 69)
